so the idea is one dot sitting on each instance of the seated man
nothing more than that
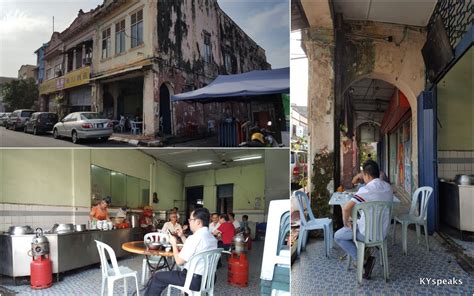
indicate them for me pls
(234, 222)
(201, 240)
(244, 223)
(214, 222)
(374, 190)
(225, 232)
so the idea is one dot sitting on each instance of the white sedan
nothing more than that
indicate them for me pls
(83, 125)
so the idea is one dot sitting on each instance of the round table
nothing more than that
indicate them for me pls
(138, 247)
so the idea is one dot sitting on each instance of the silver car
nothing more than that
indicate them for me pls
(83, 125)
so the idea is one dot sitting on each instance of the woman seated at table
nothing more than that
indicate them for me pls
(225, 232)
(172, 225)
(100, 211)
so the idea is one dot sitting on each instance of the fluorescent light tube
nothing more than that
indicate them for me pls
(248, 158)
(192, 165)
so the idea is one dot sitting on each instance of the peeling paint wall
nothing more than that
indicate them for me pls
(181, 28)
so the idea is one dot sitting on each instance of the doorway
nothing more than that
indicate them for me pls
(225, 198)
(165, 110)
(194, 199)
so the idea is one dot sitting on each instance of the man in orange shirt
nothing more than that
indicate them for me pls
(100, 211)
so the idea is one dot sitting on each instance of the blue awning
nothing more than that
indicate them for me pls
(252, 83)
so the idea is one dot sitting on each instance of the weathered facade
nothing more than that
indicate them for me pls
(126, 58)
(184, 45)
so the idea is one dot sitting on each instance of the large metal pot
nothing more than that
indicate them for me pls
(62, 228)
(464, 179)
(19, 230)
(80, 227)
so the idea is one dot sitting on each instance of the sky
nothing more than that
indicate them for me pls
(299, 71)
(26, 24)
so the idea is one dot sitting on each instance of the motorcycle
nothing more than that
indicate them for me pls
(261, 137)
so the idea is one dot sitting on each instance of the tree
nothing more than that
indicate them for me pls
(20, 94)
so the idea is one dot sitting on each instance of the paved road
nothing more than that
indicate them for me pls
(10, 138)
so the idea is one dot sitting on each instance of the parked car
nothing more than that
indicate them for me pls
(83, 125)
(298, 167)
(18, 118)
(4, 118)
(41, 122)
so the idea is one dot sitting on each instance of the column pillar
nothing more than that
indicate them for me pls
(83, 55)
(319, 44)
(74, 59)
(66, 61)
(97, 97)
(150, 119)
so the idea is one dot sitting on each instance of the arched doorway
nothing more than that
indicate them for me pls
(165, 110)
(378, 121)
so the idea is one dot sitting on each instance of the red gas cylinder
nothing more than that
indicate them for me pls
(238, 273)
(41, 270)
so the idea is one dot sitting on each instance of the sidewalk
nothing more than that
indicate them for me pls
(314, 274)
(150, 141)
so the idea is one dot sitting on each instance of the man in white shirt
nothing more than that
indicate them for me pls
(374, 190)
(234, 222)
(214, 222)
(172, 225)
(201, 240)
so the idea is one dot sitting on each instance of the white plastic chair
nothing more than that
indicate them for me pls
(375, 213)
(114, 272)
(149, 237)
(312, 224)
(121, 124)
(135, 127)
(277, 227)
(210, 258)
(413, 218)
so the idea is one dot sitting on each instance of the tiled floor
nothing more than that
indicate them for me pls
(87, 281)
(314, 274)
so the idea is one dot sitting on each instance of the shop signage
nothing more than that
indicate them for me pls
(71, 79)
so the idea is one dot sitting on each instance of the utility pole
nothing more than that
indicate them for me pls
(53, 23)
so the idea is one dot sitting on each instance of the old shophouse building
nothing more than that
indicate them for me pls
(67, 67)
(126, 58)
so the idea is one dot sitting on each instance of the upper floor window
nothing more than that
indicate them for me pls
(207, 47)
(120, 37)
(48, 73)
(106, 46)
(58, 70)
(137, 28)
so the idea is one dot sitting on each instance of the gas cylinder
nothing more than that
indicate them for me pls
(41, 268)
(238, 272)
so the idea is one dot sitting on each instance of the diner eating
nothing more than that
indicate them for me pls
(104, 210)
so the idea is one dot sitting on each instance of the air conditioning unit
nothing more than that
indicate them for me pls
(87, 61)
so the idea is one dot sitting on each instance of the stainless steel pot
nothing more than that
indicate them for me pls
(80, 227)
(62, 228)
(464, 179)
(239, 242)
(19, 230)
